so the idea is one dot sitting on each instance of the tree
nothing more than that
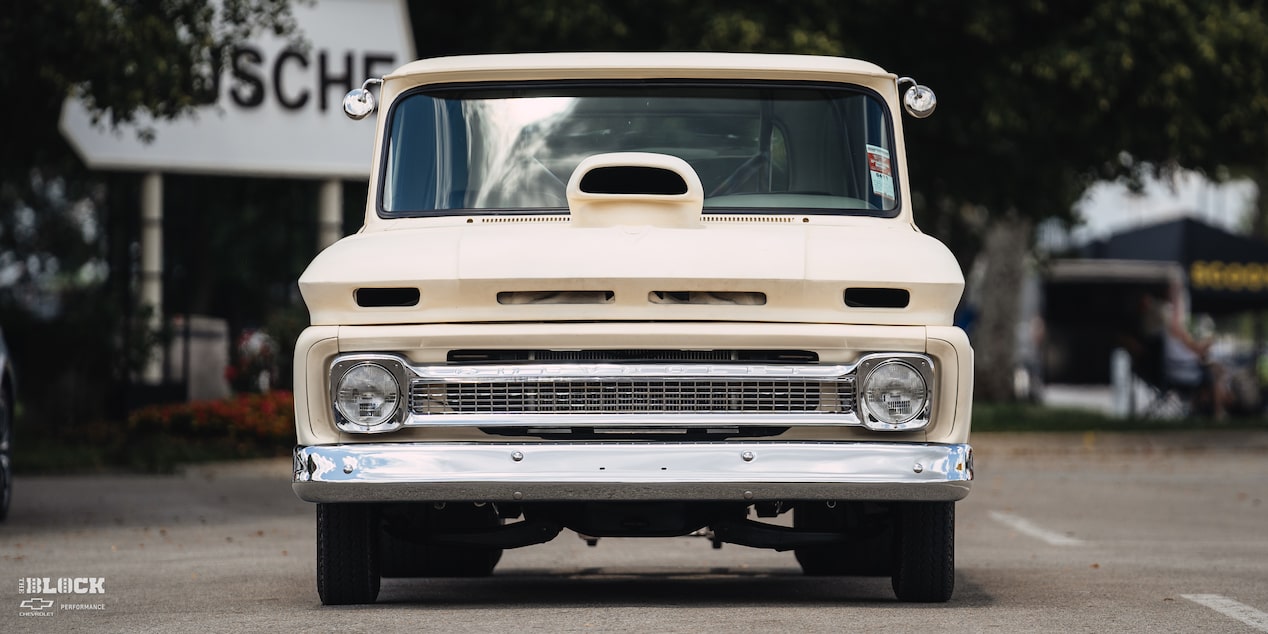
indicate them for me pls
(64, 240)
(125, 57)
(1043, 98)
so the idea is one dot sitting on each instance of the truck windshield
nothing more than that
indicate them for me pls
(756, 147)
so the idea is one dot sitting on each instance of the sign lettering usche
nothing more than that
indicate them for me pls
(278, 111)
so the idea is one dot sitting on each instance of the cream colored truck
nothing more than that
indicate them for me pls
(634, 295)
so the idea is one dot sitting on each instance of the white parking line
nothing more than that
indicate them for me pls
(1025, 526)
(1232, 609)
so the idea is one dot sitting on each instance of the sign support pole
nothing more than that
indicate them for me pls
(152, 265)
(330, 213)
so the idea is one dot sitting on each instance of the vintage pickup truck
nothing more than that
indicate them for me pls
(635, 295)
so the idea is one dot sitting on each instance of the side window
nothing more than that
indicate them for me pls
(410, 175)
(426, 134)
(880, 170)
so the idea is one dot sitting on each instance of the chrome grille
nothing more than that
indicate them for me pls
(622, 395)
(742, 396)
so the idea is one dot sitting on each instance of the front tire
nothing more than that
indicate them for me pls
(347, 553)
(924, 555)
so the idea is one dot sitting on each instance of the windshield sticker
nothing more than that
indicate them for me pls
(878, 167)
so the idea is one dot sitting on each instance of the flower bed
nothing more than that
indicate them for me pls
(261, 421)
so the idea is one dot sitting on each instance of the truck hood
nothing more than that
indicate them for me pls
(730, 268)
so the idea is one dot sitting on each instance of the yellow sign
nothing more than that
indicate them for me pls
(1229, 276)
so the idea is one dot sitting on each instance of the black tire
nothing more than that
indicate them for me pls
(6, 454)
(347, 553)
(868, 553)
(402, 556)
(924, 556)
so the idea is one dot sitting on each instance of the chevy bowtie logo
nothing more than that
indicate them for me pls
(38, 604)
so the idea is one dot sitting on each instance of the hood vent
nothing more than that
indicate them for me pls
(521, 219)
(877, 297)
(633, 179)
(715, 298)
(751, 218)
(387, 297)
(556, 297)
(635, 189)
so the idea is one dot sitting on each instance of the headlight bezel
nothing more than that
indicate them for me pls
(923, 367)
(394, 367)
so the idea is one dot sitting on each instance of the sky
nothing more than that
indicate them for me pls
(1107, 208)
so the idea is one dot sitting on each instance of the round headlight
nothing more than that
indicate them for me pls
(368, 395)
(894, 393)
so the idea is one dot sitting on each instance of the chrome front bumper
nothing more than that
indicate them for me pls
(610, 471)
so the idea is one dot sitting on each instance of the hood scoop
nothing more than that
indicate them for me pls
(635, 189)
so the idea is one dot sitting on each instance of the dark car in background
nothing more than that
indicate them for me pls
(6, 428)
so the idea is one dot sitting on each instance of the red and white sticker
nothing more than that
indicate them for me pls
(882, 175)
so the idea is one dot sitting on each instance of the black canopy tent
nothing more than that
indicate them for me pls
(1091, 307)
(1226, 273)
(1100, 302)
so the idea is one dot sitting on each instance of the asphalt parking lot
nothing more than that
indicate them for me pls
(1062, 533)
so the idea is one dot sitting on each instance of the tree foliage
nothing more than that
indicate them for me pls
(131, 60)
(125, 57)
(1039, 98)
(1044, 98)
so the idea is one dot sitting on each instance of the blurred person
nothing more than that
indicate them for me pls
(1186, 360)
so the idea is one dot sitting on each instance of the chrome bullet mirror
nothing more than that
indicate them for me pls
(919, 101)
(359, 102)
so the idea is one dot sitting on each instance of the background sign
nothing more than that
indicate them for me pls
(1227, 273)
(279, 111)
